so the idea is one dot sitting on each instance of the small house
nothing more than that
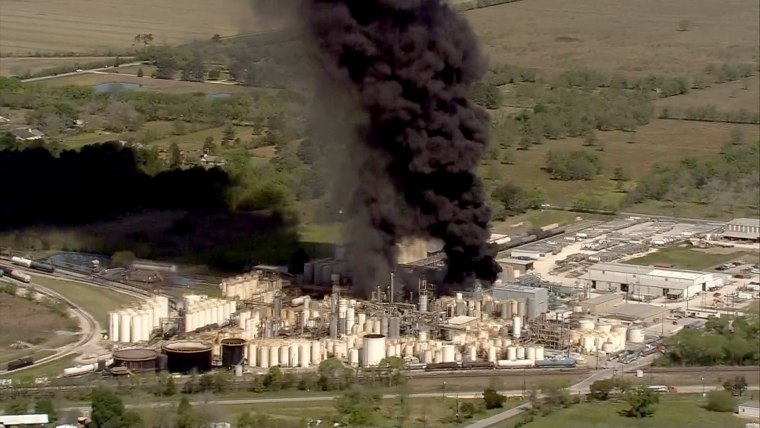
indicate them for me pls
(28, 134)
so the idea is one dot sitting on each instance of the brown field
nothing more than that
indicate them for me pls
(158, 85)
(664, 141)
(89, 26)
(14, 66)
(726, 97)
(27, 321)
(633, 37)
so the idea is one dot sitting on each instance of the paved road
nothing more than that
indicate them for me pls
(101, 70)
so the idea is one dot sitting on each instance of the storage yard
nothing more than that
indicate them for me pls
(565, 299)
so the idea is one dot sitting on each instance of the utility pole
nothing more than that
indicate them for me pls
(390, 298)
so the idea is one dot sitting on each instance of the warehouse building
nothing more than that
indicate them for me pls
(743, 229)
(646, 283)
(536, 299)
(601, 304)
(516, 265)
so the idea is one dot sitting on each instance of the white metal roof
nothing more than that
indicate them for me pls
(24, 419)
(675, 274)
(461, 319)
(648, 270)
(745, 222)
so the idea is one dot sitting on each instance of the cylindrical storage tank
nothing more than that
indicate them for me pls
(459, 296)
(530, 353)
(253, 355)
(233, 352)
(577, 309)
(304, 355)
(516, 327)
(274, 355)
(146, 324)
(333, 327)
(492, 354)
(361, 319)
(113, 324)
(216, 314)
(423, 336)
(520, 353)
(125, 326)
(635, 335)
(158, 311)
(136, 328)
(384, 326)
(447, 352)
(394, 327)
(377, 326)
(539, 353)
(284, 356)
(137, 360)
(368, 324)
(604, 328)
(511, 353)
(316, 352)
(515, 307)
(608, 347)
(295, 349)
(353, 357)
(423, 302)
(427, 356)
(461, 308)
(264, 351)
(588, 343)
(350, 319)
(187, 356)
(373, 349)
(437, 357)
(587, 325)
(522, 308)
(472, 352)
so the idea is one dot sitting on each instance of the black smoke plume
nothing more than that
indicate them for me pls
(409, 64)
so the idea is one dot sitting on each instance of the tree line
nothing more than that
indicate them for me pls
(723, 342)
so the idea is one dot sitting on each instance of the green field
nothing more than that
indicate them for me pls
(97, 301)
(684, 258)
(672, 412)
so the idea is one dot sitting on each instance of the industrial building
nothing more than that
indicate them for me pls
(536, 299)
(515, 267)
(743, 229)
(601, 304)
(647, 283)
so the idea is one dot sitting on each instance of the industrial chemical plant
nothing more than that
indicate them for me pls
(562, 297)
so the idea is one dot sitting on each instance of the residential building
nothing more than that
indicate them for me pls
(27, 134)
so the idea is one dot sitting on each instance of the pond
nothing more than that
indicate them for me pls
(115, 87)
(218, 96)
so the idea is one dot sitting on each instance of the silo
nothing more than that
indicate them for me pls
(113, 326)
(635, 335)
(530, 353)
(376, 326)
(488, 307)
(511, 353)
(253, 355)
(353, 357)
(137, 360)
(447, 352)
(368, 324)
(295, 349)
(472, 352)
(520, 353)
(384, 325)
(461, 308)
(394, 327)
(522, 308)
(305, 355)
(274, 355)
(316, 352)
(423, 302)
(539, 353)
(514, 307)
(147, 327)
(263, 361)
(506, 310)
(427, 356)
(373, 350)
(233, 352)
(136, 328)
(361, 320)
(492, 354)
(125, 326)
(437, 357)
(333, 326)
(516, 327)
(284, 356)
(187, 356)
(216, 316)
(350, 319)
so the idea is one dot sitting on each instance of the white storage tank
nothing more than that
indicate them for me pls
(448, 352)
(530, 353)
(373, 349)
(304, 355)
(492, 354)
(516, 327)
(353, 357)
(136, 328)
(316, 352)
(520, 353)
(274, 356)
(284, 353)
(113, 326)
(295, 349)
(540, 353)
(587, 325)
(264, 352)
(635, 335)
(146, 324)
(512, 353)
(253, 355)
(608, 347)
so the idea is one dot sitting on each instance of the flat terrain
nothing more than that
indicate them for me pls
(727, 97)
(13, 66)
(86, 26)
(684, 258)
(147, 83)
(673, 411)
(661, 141)
(97, 301)
(638, 37)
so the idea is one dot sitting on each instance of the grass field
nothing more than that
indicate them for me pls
(84, 26)
(16, 66)
(673, 411)
(97, 301)
(147, 83)
(684, 258)
(663, 141)
(28, 321)
(634, 37)
(728, 97)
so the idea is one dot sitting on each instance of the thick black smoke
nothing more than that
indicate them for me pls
(410, 65)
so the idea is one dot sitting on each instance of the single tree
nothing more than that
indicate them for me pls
(642, 403)
(493, 399)
(108, 411)
(721, 401)
(209, 147)
(175, 156)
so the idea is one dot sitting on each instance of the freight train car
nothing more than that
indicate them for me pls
(42, 267)
(567, 363)
(19, 276)
(21, 261)
(19, 363)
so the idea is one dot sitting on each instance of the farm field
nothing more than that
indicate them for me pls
(111, 25)
(731, 96)
(633, 37)
(685, 258)
(663, 141)
(15, 66)
(98, 301)
(672, 411)
(147, 83)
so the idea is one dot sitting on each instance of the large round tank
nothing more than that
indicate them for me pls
(635, 335)
(188, 356)
(587, 325)
(608, 347)
(427, 356)
(394, 327)
(233, 351)
(263, 357)
(512, 353)
(448, 352)
(294, 350)
(373, 349)
(137, 360)
(353, 357)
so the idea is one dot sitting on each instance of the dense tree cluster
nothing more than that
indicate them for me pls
(515, 200)
(573, 165)
(724, 341)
